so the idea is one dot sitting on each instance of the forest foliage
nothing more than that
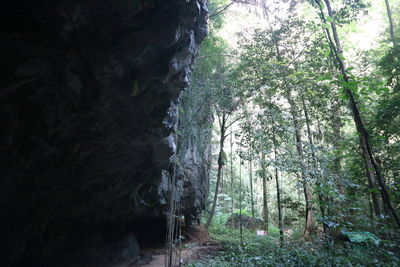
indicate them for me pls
(306, 134)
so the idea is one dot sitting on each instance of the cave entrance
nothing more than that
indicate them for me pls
(151, 233)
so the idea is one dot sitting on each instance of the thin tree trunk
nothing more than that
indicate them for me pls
(219, 171)
(309, 215)
(371, 212)
(278, 190)
(365, 145)
(337, 136)
(221, 184)
(240, 202)
(232, 203)
(321, 198)
(265, 192)
(298, 199)
(251, 170)
(391, 26)
(310, 223)
(251, 186)
(374, 188)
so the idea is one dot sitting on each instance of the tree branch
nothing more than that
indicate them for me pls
(221, 10)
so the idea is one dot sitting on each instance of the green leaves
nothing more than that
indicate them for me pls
(361, 237)
(330, 19)
(351, 85)
(341, 57)
(326, 26)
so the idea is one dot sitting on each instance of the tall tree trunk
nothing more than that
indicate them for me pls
(391, 26)
(221, 184)
(232, 180)
(373, 186)
(265, 192)
(251, 185)
(364, 138)
(371, 212)
(309, 215)
(278, 190)
(322, 200)
(240, 202)
(337, 136)
(220, 165)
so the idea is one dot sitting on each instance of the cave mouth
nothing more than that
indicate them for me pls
(89, 111)
(151, 233)
(119, 243)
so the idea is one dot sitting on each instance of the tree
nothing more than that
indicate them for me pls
(225, 104)
(391, 25)
(265, 191)
(348, 85)
(248, 142)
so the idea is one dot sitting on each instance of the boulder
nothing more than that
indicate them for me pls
(247, 222)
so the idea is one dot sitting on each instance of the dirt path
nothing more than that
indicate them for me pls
(189, 254)
(156, 258)
(198, 246)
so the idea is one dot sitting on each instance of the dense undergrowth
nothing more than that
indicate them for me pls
(266, 251)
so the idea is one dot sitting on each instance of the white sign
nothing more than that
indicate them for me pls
(262, 232)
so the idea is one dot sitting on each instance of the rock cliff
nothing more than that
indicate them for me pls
(87, 111)
(194, 150)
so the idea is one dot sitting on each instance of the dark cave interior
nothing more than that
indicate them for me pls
(88, 96)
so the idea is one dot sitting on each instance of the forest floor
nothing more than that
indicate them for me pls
(224, 249)
(266, 251)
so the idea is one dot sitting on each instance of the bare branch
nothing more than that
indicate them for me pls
(221, 10)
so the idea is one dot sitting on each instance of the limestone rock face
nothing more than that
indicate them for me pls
(195, 176)
(87, 114)
(194, 154)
